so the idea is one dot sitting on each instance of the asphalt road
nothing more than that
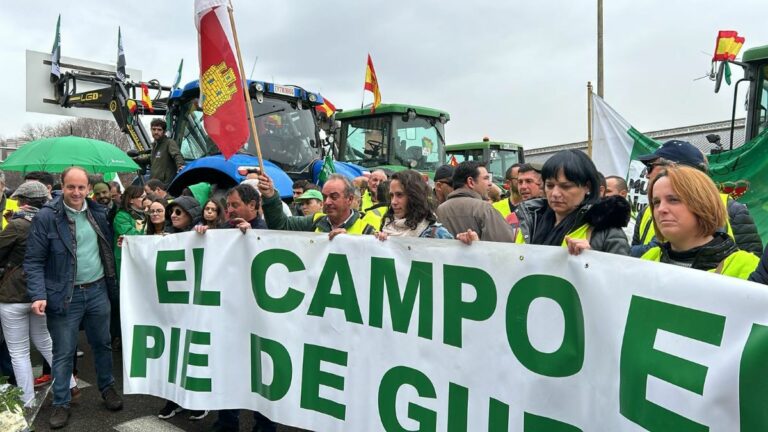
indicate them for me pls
(139, 413)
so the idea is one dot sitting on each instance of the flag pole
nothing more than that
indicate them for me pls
(589, 119)
(246, 94)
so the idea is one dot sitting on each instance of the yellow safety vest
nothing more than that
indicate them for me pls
(646, 223)
(10, 205)
(358, 227)
(503, 207)
(373, 217)
(739, 264)
(366, 201)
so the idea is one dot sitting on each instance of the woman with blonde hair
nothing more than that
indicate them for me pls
(689, 219)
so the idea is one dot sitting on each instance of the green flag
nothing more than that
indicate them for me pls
(727, 74)
(327, 169)
(56, 53)
(177, 80)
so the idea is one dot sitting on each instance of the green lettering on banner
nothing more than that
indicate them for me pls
(753, 380)
(163, 276)
(195, 359)
(335, 266)
(173, 365)
(455, 309)
(261, 263)
(639, 360)
(200, 297)
(569, 357)
(282, 369)
(498, 416)
(458, 404)
(141, 352)
(401, 309)
(391, 382)
(534, 423)
(313, 378)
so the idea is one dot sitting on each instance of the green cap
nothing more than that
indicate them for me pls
(311, 194)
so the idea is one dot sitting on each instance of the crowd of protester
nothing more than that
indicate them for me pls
(564, 203)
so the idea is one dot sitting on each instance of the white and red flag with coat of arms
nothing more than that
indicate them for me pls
(221, 86)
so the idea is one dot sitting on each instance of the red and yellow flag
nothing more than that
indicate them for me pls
(452, 161)
(728, 45)
(145, 99)
(372, 84)
(221, 86)
(326, 108)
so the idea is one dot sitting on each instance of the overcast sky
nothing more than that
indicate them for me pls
(511, 70)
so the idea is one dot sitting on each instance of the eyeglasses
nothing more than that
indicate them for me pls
(155, 211)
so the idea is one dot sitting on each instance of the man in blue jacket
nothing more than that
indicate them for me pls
(70, 266)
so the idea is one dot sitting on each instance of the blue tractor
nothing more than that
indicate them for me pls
(287, 125)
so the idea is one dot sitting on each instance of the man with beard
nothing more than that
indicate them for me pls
(102, 194)
(466, 207)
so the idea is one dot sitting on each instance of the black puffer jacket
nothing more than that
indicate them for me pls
(744, 228)
(606, 217)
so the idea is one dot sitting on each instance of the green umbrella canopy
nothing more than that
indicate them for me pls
(59, 153)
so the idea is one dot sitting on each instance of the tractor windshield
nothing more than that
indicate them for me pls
(500, 161)
(418, 143)
(762, 118)
(286, 134)
(393, 140)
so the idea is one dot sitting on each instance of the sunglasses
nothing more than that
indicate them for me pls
(178, 212)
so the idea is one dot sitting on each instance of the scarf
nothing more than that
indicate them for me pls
(398, 228)
(547, 233)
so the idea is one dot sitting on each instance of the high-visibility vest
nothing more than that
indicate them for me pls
(503, 207)
(10, 205)
(647, 233)
(366, 200)
(580, 233)
(739, 264)
(358, 227)
(373, 216)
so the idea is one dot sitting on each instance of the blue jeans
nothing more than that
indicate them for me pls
(91, 306)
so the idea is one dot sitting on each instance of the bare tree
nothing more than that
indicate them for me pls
(104, 130)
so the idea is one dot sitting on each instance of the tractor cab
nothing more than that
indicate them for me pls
(497, 156)
(394, 137)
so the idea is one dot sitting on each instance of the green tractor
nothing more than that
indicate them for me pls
(394, 137)
(497, 156)
(754, 61)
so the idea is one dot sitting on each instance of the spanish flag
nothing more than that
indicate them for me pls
(145, 100)
(372, 84)
(326, 108)
(728, 45)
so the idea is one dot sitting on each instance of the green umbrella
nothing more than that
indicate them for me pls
(58, 153)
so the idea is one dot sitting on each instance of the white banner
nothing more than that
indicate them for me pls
(356, 334)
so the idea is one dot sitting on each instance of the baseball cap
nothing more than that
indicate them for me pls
(311, 194)
(443, 172)
(31, 189)
(681, 152)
